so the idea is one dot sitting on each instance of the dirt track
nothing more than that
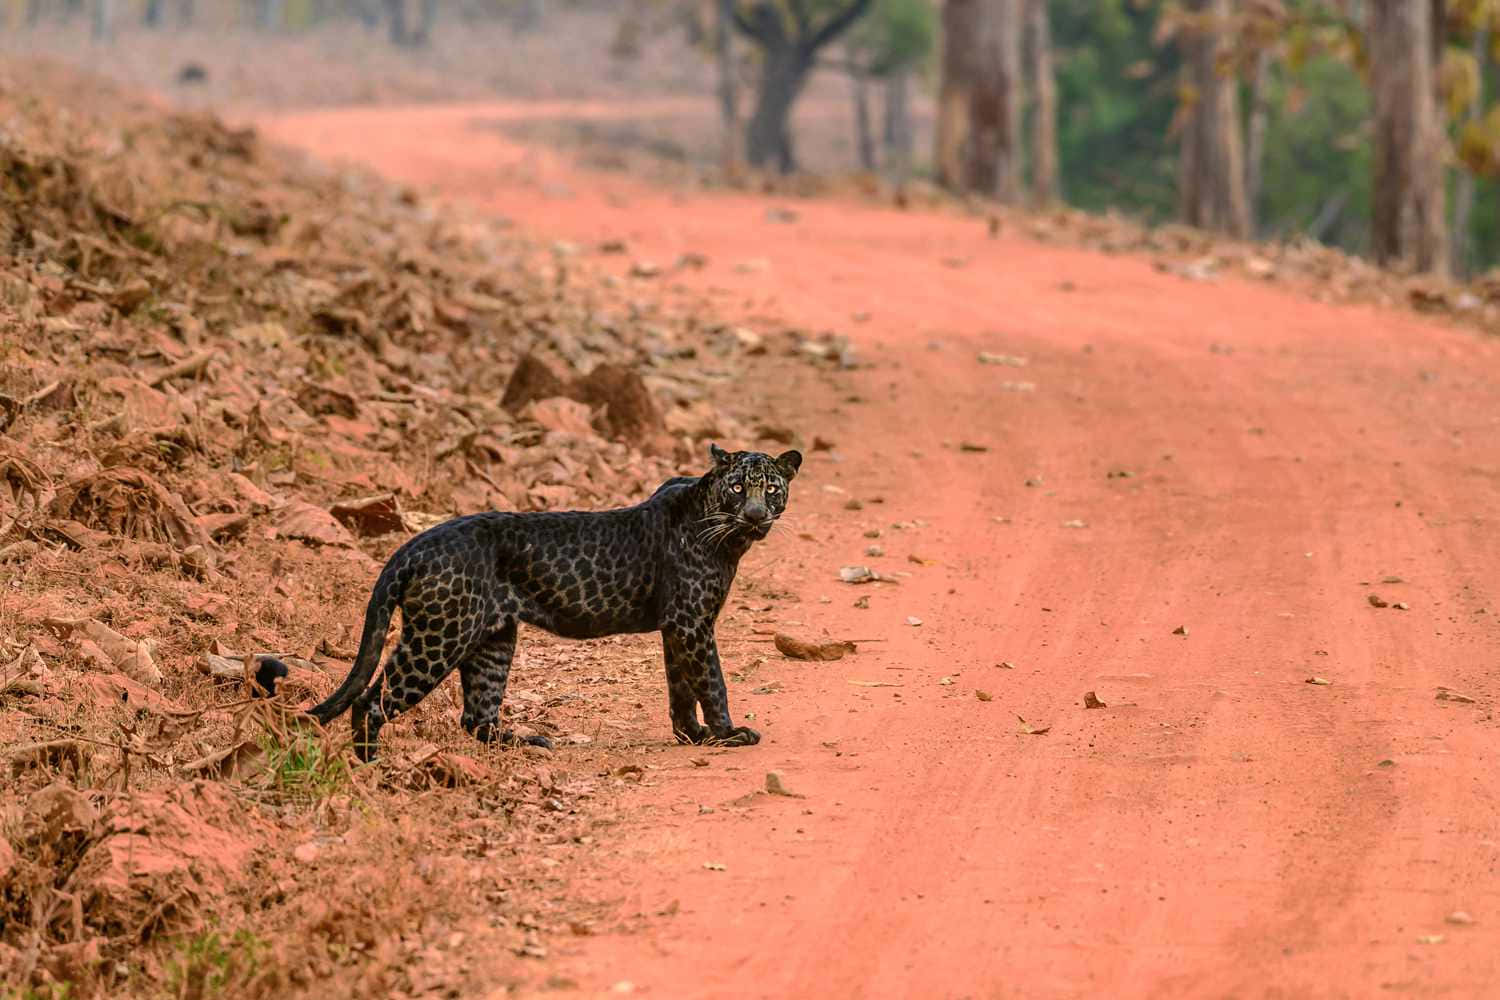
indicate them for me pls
(1223, 827)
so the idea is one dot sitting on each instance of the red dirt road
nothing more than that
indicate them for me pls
(1223, 827)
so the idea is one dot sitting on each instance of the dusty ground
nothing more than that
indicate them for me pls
(1185, 496)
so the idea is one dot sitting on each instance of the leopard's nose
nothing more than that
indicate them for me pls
(756, 514)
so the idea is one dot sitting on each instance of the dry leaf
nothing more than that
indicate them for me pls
(304, 522)
(1446, 694)
(777, 786)
(1031, 730)
(1091, 700)
(875, 684)
(379, 515)
(1322, 681)
(913, 621)
(983, 695)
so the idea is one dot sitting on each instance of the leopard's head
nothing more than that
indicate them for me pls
(747, 491)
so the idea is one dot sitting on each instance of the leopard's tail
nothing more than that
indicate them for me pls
(383, 601)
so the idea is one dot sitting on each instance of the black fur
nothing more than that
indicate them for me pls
(663, 565)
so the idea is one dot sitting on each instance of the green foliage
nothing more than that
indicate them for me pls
(1116, 91)
(303, 768)
(895, 35)
(209, 966)
(1318, 153)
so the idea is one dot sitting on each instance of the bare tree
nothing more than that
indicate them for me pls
(864, 135)
(897, 134)
(1409, 224)
(270, 15)
(729, 89)
(1043, 88)
(789, 47)
(1211, 170)
(103, 20)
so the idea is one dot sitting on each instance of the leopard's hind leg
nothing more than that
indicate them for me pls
(484, 673)
(424, 656)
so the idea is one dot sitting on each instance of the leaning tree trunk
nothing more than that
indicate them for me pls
(1044, 110)
(993, 162)
(1408, 176)
(768, 137)
(897, 137)
(1211, 173)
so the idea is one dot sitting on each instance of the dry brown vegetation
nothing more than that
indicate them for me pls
(229, 386)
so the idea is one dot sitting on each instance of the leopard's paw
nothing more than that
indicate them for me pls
(739, 736)
(691, 734)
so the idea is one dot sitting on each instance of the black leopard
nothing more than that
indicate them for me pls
(663, 565)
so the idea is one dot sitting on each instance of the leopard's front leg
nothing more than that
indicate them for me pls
(695, 676)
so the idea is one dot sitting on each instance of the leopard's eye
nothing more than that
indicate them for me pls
(737, 488)
(770, 487)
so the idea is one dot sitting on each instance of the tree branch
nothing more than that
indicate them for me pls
(743, 23)
(799, 15)
(836, 26)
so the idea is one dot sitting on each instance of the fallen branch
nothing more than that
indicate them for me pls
(188, 366)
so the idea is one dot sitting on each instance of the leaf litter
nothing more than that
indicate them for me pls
(229, 387)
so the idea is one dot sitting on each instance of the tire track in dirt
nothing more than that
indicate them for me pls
(1223, 828)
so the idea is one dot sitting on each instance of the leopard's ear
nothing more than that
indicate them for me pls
(719, 455)
(790, 462)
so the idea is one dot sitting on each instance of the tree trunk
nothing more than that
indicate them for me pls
(979, 105)
(1044, 110)
(787, 58)
(152, 16)
(428, 13)
(729, 96)
(1211, 176)
(993, 163)
(959, 67)
(768, 137)
(1255, 136)
(185, 11)
(1463, 194)
(864, 137)
(1408, 171)
(396, 11)
(103, 21)
(898, 132)
(269, 15)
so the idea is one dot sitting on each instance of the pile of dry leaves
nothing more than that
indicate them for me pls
(229, 387)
